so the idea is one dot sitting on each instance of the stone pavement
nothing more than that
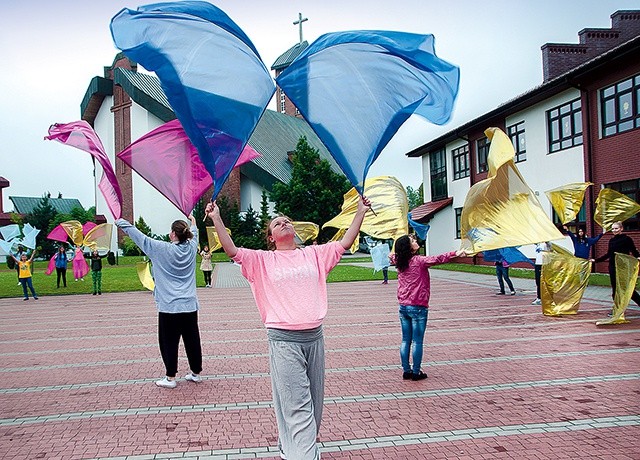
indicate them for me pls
(505, 382)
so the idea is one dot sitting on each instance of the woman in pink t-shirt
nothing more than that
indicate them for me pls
(414, 290)
(289, 287)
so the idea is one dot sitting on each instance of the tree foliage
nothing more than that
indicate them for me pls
(415, 197)
(315, 192)
(41, 218)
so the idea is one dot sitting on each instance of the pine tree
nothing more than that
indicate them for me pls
(41, 218)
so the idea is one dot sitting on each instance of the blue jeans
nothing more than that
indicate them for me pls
(26, 282)
(414, 322)
(503, 272)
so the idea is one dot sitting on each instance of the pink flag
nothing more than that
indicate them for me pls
(88, 226)
(58, 234)
(80, 134)
(52, 265)
(166, 158)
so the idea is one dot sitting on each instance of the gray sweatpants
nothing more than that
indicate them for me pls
(297, 383)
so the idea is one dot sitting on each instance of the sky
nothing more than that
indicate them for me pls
(52, 49)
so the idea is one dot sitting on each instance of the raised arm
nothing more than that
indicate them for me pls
(213, 212)
(33, 254)
(354, 229)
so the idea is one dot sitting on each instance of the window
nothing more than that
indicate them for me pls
(438, 170)
(578, 222)
(460, 158)
(282, 102)
(564, 126)
(458, 216)
(631, 188)
(516, 134)
(620, 107)
(482, 152)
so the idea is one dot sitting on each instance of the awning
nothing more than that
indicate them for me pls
(425, 212)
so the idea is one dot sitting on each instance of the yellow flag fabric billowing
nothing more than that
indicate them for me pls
(338, 236)
(562, 283)
(567, 200)
(306, 231)
(214, 241)
(389, 202)
(99, 237)
(502, 211)
(74, 230)
(626, 276)
(144, 274)
(612, 206)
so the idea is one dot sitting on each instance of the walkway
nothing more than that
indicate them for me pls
(504, 382)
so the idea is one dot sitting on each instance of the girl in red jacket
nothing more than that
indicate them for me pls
(414, 289)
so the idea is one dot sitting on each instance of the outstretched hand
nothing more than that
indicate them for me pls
(461, 253)
(212, 210)
(364, 204)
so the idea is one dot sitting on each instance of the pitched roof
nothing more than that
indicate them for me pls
(275, 135)
(26, 204)
(425, 212)
(289, 56)
(538, 94)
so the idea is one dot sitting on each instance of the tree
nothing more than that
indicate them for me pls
(315, 192)
(265, 217)
(415, 197)
(198, 214)
(249, 233)
(40, 218)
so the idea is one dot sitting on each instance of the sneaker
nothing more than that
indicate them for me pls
(407, 375)
(513, 292)
(499, 293)
(26, 298)
(419, 376)
(166, 383)
(35, 298)
(99, 292)
(95, 293)
(385, 282)
(536, 302)
(19, 283)
(193, 377)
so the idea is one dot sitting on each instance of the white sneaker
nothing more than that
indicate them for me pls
(193, 377)
(536, 302)
(166, 383)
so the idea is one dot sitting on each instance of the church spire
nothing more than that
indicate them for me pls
(299, 24)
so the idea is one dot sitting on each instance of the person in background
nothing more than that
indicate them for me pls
(61, 262)
(581, 243)
(414, 291)
(174, 273)
(96, 271)
(541, 248)
(502, 273)
(289, 285)
(80, 267)
(18, 256)
(24, 274)
(206, 266)
(624, 245)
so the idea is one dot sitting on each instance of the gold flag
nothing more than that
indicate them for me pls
(214, 241)
(563, 281)
(144, 274)
(99, 237)
(626, 276)
(502, 211)
(306, 231)
(338, 236)
(612, 206)
(567, 200)
(74, 230)
(389, 202)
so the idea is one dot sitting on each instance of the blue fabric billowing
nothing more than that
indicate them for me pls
(420, 229)
(510, 255)
(209, 70)
(357, 88)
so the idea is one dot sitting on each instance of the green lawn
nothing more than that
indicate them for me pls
(123, 277)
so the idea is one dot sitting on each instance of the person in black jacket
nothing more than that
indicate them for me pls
(96, 271)
(624, 245)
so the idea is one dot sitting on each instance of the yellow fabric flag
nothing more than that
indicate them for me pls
(214, 241)
(626, 276)
(338, 236)
(567, 200)
(389, 202)
(306, 231)
(99, 237)
(502, 211)
(144, 274)
(74, 230)
(612, 206)
(562, 283)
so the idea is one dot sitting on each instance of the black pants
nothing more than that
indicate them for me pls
(61, 272)
(538, 273)
(207, 277)
(172, 326)
(612, 278)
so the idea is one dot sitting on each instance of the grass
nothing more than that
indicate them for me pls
(123, 277)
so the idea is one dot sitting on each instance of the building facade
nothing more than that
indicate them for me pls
(582, 124)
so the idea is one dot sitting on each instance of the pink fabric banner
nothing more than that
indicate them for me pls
(88, 226)
(51, 266)
(80, 134)
(58, 234)
(166, 158)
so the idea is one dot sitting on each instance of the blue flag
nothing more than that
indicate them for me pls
(209, 70)
(357, 88)
(510, 255)
(420, 229)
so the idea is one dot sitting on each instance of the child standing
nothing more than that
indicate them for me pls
(206, 266)
(96, 271)
(24, 274)
(290, 290)
(61, 266)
